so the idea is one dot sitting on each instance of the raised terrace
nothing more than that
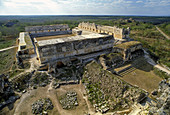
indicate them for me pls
(72, 46)
(57, 43)
(48, 30)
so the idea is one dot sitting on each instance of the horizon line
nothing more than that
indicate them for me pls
(79, 15)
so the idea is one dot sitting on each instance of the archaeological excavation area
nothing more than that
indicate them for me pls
(88, 70)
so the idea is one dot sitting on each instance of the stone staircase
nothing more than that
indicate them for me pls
(127, 71)
(131, 67)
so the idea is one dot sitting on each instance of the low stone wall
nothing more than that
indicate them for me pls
(47, 28)
(129, 53)
(41, 34)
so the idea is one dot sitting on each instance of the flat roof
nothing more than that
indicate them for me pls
(22, 39)
(53, 37)
(71, 38)
(127, 44)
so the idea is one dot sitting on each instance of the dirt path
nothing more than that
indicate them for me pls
(1, 50)
(150, 61)
(135, 110)
(83, 91)
(24, 103)
(166, 36)
(33, 66)
(22, 100)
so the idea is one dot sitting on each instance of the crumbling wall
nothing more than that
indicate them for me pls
(129, 53)
(75, 48)
(76, 31)
(118, 33)
(49, 30)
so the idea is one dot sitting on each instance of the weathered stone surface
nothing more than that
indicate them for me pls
(163, 100)
(118, 33)
(42, 106)
(72, 47)
(7, 94)
(69, 100)
(107, 91)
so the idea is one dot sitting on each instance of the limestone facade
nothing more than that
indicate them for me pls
(118, 33)
(130, 52)
(73, 47)
(48, 30)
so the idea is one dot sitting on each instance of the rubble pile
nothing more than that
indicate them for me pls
(69, 100)
(30, 80)
(21, 82)
(42, 106)
(162, 107)
(7, 94)
(106, 91)
(70, 74)
(40, 79)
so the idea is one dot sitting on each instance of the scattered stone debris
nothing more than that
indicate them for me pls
(40, 79)
(69, 74)
(107, 92)
(55, 85)
(162, 107)
(69, 100)
(7, 94)
(42, 106)
(21, 82)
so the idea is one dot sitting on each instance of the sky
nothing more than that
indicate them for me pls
(85, 7)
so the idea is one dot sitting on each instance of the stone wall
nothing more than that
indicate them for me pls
(129, 53)
(118, 33)
(68, 49)
(37, 31)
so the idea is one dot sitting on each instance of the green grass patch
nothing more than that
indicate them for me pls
(7, 59)
(161, 73)
(7, 43)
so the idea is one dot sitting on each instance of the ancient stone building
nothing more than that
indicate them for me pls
(118, 33)
(48, 30)
(59, 44)
(129, 50)
(79, 46)
(25, 47)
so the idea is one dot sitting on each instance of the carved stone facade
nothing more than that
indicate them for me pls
(48, 30)
(59, 44)
(129, 50)
(80, 47)
(118, 33)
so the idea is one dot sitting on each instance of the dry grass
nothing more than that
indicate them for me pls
(28, 42)
(143, 76)
(7, 59)
(79, 110)
(127, 45)
(23, 105)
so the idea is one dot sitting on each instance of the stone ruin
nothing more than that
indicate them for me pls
(48, 30)
(129, 50)
(118, 33)
(42, 106)
(69, 100)
(57, 45)
(7, 94)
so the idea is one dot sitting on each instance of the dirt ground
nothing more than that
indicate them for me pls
(79, 110)
(23, 105)
(143, 77)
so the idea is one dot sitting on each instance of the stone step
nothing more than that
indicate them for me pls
(127, 71)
